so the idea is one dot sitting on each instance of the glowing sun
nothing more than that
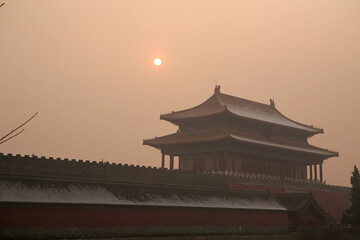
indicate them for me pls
(157, 61)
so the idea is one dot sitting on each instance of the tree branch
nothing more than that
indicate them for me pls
(12, 131)
(12, 137)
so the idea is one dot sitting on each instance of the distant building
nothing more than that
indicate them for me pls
(304, 211)
(227, 133)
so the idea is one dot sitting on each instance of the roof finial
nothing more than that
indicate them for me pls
(217, 88)
(272, 102)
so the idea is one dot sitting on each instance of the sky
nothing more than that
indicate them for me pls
(87, 68)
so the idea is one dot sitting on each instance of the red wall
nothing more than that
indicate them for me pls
(333, 202)
(86, 217)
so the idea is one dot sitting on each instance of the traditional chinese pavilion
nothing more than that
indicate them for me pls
(227, 133)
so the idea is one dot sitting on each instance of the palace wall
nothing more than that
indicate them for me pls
(334, 199)
(75, 216)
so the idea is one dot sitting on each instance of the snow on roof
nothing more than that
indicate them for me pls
(299, 201)
(304, 148)
(220, 102)
(42, 191)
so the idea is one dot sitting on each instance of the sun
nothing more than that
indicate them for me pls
(157, 61)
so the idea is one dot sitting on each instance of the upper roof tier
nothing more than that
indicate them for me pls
(222, 103)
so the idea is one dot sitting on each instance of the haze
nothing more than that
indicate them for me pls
(87, 68)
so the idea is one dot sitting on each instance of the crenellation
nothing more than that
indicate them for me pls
(118, 171)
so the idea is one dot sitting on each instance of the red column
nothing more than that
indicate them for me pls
(315, 172)
(266, 166)
(288, 169)
(226, 167)
(162, 160)
(179, 164)
(252, 167)
(171, 162)
(320, 169)
(216, 162)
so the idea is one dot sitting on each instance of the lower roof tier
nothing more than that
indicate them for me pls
(219, 134)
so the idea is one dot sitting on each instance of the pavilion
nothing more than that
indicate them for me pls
(227, 133)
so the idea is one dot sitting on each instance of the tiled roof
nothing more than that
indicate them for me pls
(208, 135)
(37, 190)
(294, 201)
(298, 201)
(220, 103)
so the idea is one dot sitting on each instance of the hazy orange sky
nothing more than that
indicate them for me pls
(87, 68)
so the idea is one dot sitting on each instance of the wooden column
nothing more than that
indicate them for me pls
(311, 175)
(226, 167)
(216, 161)
(315, 172)
(241, 165)
(320, 169)
(246, 163)
(288, 169)
(266, 166)
(251, 164)
(302, 171)
(171, 162)
(162, 160)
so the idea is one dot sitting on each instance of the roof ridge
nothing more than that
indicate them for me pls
(245, 100)
(185, 110)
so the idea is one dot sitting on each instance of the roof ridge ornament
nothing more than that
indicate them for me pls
(217, 88)
(272, 102)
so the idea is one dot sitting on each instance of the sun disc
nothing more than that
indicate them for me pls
(157, 61)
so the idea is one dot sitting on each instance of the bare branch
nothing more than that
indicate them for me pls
(12, 131)
(12, 137)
